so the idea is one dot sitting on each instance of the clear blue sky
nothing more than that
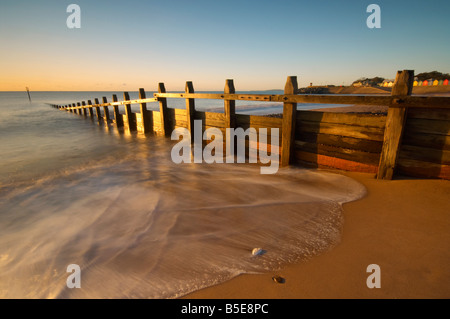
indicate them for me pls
(124, 45)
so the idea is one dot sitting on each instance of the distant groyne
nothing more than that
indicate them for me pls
(412, 139)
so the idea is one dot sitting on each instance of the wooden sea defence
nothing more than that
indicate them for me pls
(412, 139)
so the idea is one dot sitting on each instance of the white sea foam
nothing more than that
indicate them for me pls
(148, 228)
(138, 224)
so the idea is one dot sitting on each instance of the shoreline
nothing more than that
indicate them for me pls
(401, 225)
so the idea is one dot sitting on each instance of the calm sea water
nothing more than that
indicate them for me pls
(138, 225)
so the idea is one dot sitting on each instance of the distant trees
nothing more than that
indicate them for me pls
(432, 75)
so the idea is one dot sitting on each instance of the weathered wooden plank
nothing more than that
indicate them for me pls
(415, 168)
(392, 101)
(341, 141)
(211, 119)
(323, 161)
(339, 152)
(288, 126)
(425, 154)
(440, 142)
(430, 114)
(429, 126)
(395, 123)
(261, 121)
(369, 133)
(370, 120)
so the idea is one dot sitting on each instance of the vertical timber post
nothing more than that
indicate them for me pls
(395, 123)
(190, 109)
(84, 108)
(117, 116)
(163, 110)
(79, 108)
(289, 119)
(105, 110)
(128, 113)
(97, 111)
(146, 120)
(229, 105)
(91, 111)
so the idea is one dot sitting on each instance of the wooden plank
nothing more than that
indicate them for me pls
(395, 123)
(262, 121)
(339, 152)
(190, 109)
(369, 133)
(369, 120)
(128, 114)
(146, 119)
(288, 126)
(392, 101)
(415, 168)
(424, 126)
(164, 128)
(440, 142)
(430, 114)
(323, 161)
(425, 154)
(341, 141)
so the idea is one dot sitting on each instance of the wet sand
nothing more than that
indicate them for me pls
(401, 225)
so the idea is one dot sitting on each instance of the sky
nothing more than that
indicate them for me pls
(126, 45)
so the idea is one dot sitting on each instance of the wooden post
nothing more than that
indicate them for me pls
(105, 110)
(73, 110)
(146, 119)
(229, 105)
(395, 123)
(91, 111)
(190, 109)
(79, 110)
(163, 110)
(84, 108)
(97, 110)
(289, 119)
(129, 114)
(117, 116)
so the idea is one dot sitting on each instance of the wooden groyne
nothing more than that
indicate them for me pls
(412, 139)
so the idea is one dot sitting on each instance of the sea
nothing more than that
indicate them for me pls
(137, 225)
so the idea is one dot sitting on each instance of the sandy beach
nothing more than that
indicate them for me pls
(401, 225)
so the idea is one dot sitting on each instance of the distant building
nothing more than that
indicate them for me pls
(387, 83)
